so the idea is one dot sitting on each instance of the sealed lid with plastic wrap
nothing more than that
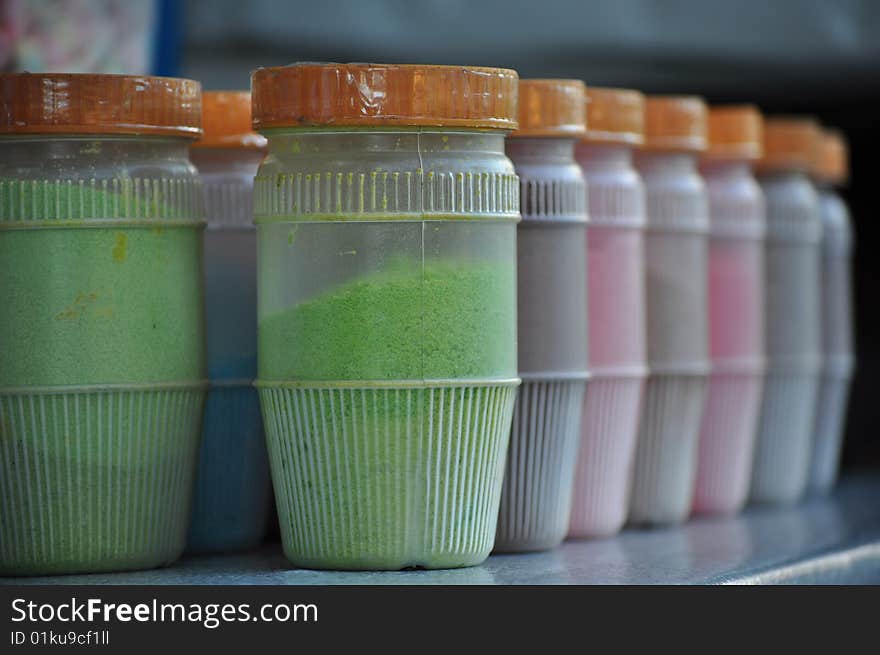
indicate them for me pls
(675, 124)
(735, 133)
(615, 116)
(831, 163)
(551, 108)
(226, 121)
(81, 103)
(789, 144)
(384, 95)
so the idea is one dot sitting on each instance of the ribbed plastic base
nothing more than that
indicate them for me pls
(784, 441)
(666, 452)
(608, 439)
(536, 497)
(97, 480)
(387, 478)
(231, 500)
(828, 438)
(727, 440)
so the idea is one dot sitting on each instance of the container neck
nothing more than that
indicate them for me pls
(604, 157)
(102, 151)
(784, 175)
(220, 160)
(731, 168)
(540, 150)
(286, 143)
(667, 162)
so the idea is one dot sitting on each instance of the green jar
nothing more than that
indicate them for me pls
(102, 367)
(386, 216)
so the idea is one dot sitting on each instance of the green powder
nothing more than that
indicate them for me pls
(96, 480)
(390, 478)
(446, 320)
(96, 305)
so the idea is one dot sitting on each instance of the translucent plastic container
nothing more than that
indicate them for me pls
(676, 274)
(792, 312)
(231, 501)
(551, 316)
(386, 216)
(102, 379)
(736, 310)
(831, 171)
(616, 299)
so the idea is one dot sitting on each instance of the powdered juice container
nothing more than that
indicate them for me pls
(792, 316)
(736, 309)
(552, 316)
(102, 378)
(386, 215)
(231, 499)
(831, 171)
(616, 299)
(676, 308)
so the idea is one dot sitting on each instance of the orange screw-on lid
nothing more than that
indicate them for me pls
(735, 132)
(831, 163)
(551, 108)
(226, 121)
(615, 116)
(83, 103)
(675, 123)
(789, 143)
(384, 95)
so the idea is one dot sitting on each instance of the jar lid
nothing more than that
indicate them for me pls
(735, 133)
(551, 108)
(789, 143)
(374, 95)
(226, 121)
(675, 123)
(615, 116)
(831, 163)
(85, 103)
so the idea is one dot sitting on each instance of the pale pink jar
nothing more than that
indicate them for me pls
(616, 302)
(736, 309)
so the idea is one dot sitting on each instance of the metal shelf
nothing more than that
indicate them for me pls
(830, 540)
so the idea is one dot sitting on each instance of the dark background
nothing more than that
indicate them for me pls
(788, 56)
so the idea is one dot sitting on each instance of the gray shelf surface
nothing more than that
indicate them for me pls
(823, 540)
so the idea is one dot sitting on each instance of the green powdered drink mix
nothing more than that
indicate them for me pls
(393, 476)
(442, 320)
(386, 214)
(100, 393)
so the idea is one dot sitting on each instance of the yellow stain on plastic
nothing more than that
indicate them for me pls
(78, 308)
(120, 248)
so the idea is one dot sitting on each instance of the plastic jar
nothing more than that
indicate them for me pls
(386, 216)
(101, 287)
(792, 312)
(616, 301)
(677, 311)
(831, 171)
(736, 309)
(231, 502)
(551, 316)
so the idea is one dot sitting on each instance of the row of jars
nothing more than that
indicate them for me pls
(454, 341)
